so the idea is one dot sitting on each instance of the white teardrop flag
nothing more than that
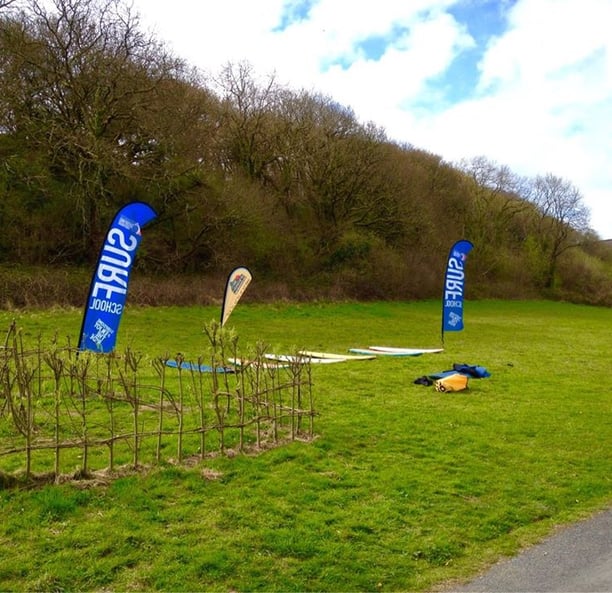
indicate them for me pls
(237, 282)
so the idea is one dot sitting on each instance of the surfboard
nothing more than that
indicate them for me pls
(333, 355)
(302, 359)
(370, 352)
(241, 362)
(413, 351)
(200, 368)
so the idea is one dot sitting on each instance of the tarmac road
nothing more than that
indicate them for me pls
(576, 559)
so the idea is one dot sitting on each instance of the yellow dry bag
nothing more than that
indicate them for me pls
(454, 382)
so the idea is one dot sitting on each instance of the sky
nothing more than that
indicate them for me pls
(524, 83)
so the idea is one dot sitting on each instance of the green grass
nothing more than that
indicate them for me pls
(404, 488)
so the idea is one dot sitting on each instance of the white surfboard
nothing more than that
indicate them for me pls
(302, 359)
(370, 352)
(334, 356)
(408, 351)
(241, 362)
(397, 352)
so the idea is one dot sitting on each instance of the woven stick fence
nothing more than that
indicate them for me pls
(67, 410)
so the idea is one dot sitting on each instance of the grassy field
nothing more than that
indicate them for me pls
(403, 489)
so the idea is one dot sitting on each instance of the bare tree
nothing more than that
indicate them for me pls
(496, 189)
(248, 118)
(562, 215)
(495, 203)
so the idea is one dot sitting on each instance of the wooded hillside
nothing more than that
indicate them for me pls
(95, 113)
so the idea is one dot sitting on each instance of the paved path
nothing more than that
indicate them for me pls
(576, 559)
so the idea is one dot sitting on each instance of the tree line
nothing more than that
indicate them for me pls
(95, 112)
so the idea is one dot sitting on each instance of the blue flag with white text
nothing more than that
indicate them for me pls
(454, 287)
(109, 285)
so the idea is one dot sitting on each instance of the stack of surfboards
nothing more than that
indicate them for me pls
(314, 357)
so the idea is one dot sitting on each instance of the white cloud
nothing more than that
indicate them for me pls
(377, 89)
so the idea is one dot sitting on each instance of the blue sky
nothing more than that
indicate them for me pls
(525, 83)
(489, 20)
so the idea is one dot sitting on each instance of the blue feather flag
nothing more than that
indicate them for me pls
(109, 284)
(454, 287)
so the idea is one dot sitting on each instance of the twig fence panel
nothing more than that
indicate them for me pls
(67, 410)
